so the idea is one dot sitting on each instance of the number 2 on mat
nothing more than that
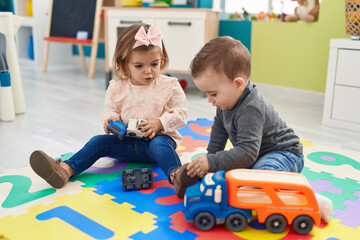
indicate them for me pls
(19, 193)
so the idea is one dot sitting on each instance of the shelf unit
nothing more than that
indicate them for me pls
(37, 26)
(342, 96)
(191, 27)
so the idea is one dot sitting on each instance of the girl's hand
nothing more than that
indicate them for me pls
(198, 166)
(151, 127)
(106, 123)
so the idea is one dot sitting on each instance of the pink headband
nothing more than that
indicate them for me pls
(152, 37)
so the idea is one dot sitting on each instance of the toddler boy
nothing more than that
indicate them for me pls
(260, 138)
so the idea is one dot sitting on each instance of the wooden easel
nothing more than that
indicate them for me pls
(97, 36)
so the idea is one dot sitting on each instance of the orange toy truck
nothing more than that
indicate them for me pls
(279, 199)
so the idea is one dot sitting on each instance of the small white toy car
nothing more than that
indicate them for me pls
(132, 129)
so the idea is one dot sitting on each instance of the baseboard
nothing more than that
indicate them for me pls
(286, 93)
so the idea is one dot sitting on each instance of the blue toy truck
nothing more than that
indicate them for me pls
(118, 128)
(279, 199)
(206, 205)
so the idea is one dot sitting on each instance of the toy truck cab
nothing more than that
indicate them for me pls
(206, 204)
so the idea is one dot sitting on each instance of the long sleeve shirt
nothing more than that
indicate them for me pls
(163, 99)
(254, 129)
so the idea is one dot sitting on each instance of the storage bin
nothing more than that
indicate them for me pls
(352, 15)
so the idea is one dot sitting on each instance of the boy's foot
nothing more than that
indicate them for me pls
(49, 169)
(182, 180)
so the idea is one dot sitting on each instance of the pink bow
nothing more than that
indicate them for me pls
(153, 37)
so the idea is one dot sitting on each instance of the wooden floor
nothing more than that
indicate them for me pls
(64, 108)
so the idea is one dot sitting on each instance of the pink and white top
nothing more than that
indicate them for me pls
(163, 99)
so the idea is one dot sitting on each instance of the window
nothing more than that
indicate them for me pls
(255, 6)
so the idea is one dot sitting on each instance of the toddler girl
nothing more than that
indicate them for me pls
(138, 91)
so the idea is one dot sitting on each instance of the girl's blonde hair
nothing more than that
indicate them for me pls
(124, 48)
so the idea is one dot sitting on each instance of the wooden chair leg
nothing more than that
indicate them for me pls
(82, 55)
(46, 55)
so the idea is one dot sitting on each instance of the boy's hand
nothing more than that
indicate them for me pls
(198, 166)
(151, 127)
(106, 123)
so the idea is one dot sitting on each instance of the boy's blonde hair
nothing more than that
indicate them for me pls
(223, 54)
(124, 48)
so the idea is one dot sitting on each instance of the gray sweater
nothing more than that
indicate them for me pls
(254, 129)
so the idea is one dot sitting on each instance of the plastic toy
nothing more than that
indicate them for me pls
(131, 129)
(261, 16)
(137, 178)
(279, 198)
(183, 83)
(118, 128)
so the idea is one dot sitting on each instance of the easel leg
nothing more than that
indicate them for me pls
(82, 56)
(94, 48)
(46, 55)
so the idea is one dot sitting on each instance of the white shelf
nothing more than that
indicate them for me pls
(28, 22)
(192, 27)
(342, 96)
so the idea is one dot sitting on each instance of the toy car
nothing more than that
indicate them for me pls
(118, 128)
(137, 178)
(279, 199)
(132, 129)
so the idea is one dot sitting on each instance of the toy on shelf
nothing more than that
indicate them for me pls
(160, 4)
(246, 15)
(137, 178)
(235, 16)
(307, 11)
(272, 16)
(261, 16)
(279, 198)
(120, 129)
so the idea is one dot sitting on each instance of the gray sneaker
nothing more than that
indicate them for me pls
(48, 169)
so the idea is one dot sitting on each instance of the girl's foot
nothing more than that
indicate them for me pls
(181, 180)
(48, 169)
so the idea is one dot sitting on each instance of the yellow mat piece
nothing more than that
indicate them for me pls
(109, 215)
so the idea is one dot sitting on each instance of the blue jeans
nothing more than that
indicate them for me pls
(159, 150)
(280, 161)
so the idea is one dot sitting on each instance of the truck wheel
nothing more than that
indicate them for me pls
(236, 222)
(276, 223)
(303, 224)
(204, 221)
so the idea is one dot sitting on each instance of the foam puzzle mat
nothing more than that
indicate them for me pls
(95, 206)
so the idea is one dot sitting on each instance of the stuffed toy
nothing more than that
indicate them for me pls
(325, 207)
(308, 11)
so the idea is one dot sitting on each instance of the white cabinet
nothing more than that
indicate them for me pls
(342, 96)
(184, 31)
(36, 26)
